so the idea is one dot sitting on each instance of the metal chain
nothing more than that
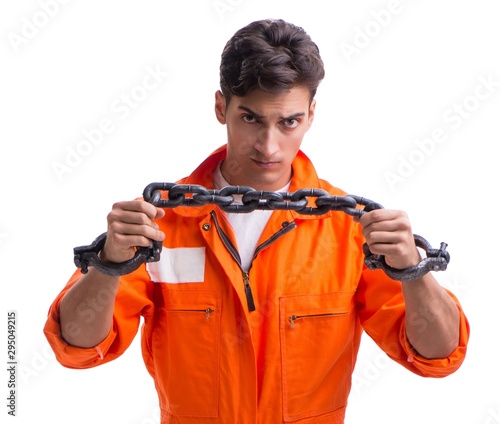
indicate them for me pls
(251, 200)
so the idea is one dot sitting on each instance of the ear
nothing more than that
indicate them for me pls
(312, 108)
(220, 107)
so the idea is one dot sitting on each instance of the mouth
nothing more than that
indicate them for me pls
(265, 163)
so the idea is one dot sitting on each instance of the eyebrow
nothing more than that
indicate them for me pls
(256, 115)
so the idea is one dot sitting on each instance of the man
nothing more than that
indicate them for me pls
(257, 318)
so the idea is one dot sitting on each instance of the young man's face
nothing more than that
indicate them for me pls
(264, 132)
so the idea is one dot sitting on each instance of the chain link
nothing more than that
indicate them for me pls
(251, 200)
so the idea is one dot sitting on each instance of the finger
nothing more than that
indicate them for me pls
(137, 218)
(160, 213)
(383, 237)
(381, 215)
(150, 232)
(141, 206)
(393, 223)
(397, 255)
(120, 248)
(137, 212)
(389, 250)
(123, 242)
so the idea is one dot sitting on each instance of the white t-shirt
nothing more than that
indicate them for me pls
(247, 226)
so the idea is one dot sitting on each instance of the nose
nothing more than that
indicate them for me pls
(268, 142)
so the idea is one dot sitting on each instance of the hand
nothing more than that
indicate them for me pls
(130, 224)
(388, 233)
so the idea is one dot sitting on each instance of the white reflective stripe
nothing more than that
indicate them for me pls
(179, 265)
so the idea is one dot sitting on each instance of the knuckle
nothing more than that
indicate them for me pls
(369, 238)
(113, 228)
(111, 219)
(145, 229)
(146, 209)
(147, 218)
(117, 205)
(142, 241)
(399, 250)
(377, 214)
(117, 240)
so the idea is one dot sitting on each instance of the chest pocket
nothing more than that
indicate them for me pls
(186, 348)
(316, 333)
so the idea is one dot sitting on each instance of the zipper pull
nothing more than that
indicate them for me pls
(208, 312)
(248, 292)
(292, 321)
(411, 355)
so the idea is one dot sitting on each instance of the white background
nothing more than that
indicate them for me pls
(64, 69)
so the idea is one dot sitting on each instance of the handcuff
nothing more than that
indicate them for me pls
(86, 256)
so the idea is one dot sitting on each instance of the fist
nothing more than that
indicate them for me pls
(388, 233)
(130, 224)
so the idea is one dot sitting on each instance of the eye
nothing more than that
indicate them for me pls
(290, 123)
(249, 119)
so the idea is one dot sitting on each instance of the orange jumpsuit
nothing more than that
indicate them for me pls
(276, 344)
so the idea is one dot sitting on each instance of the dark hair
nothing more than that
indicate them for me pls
(273, 55)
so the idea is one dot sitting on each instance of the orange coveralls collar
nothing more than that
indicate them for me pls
(304, 176)
(291, 359)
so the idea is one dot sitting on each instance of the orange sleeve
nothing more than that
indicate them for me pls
(132, 301)
(382, 315)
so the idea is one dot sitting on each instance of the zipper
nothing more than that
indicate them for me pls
(248, 291)
(274, 237)
(294, 318)
(225, 239)
(236, 256)
(207, 311)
